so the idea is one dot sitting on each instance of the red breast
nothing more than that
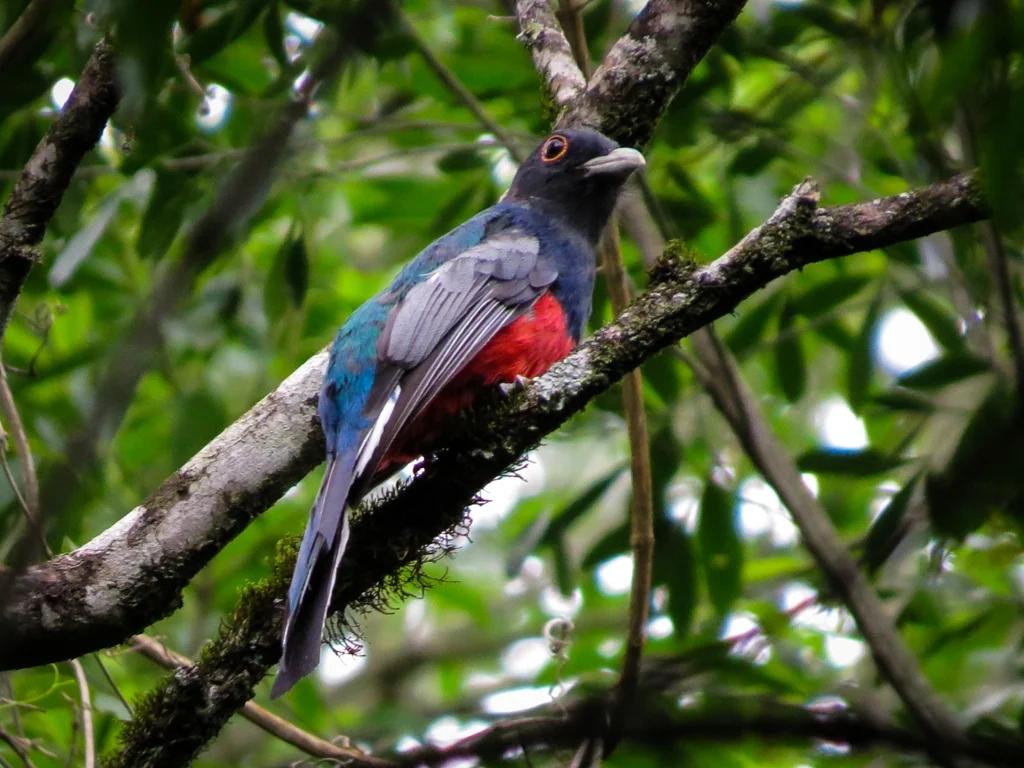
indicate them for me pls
(526, 347)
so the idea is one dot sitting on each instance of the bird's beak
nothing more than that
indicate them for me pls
(620, 162)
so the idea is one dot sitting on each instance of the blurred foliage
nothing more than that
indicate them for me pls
(887, 375)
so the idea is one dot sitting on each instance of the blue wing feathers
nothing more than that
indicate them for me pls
(360, 380)
(316, 566)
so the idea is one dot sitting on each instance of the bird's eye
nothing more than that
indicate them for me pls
(554, 149)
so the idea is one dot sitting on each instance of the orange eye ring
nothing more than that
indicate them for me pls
(554, 149)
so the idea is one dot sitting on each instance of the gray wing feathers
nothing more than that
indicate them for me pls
(443, 322)
(504, 266)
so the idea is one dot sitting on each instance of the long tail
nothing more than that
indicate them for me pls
(316, 566)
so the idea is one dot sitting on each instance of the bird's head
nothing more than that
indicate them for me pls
(575, 175)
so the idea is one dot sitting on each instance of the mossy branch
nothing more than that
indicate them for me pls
(391, 537)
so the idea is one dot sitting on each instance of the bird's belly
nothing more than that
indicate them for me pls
(527, 347)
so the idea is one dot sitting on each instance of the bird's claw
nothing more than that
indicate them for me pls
(509, 388)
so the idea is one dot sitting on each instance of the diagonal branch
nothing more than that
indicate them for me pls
(276, 726)
(133, 573)
(395, 534)
(551, 52)
(638, 77)
(721, 378)
(458, 89)
(48, 172)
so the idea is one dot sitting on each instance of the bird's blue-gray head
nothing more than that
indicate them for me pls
(575, 175)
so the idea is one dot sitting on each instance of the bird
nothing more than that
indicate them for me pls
(497, 300)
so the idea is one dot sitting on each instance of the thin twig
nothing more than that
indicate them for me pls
(18, 746)
(453, 84)
(894, 659)
(641, 520)
(999, 264)
(571, 18)
(278, 727)
(641, 527)
(16, 428)
(110, 681)
(21, 36)
(86, 704)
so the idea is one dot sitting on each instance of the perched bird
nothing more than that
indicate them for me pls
(503, 296)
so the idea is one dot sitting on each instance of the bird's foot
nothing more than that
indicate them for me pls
(509, 388)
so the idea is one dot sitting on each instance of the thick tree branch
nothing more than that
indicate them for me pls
(638, 77)
(133, 573)
(395, 534)
(552, 55)
(48, 172)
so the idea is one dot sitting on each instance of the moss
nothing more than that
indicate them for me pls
(676, 263)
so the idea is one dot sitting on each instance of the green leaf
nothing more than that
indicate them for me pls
(941, 322)
(753, 159)
(860, 364)
(661, 375)
(296, 270)
(828, 294)
(288, 278)
(751, 325)
(549, 530)
(676, 567)
(903, 400)
(459, 160)
(884, 533)
(273, 34)
(81, 245)
(983, 475)
(790, 365)
(565, 576)
(942, 371)
(721, 552)
(579, 506)
(171, 195)
(613, 543)
(211, 38)
(836, 461)
(145, 56)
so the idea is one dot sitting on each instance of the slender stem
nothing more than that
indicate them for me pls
(17, 745)
(276, 726)
(641, 521)
(720, 376)
(86, 705)
(16, 428)
(571, 19)
(641, 533)
(461, 92)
